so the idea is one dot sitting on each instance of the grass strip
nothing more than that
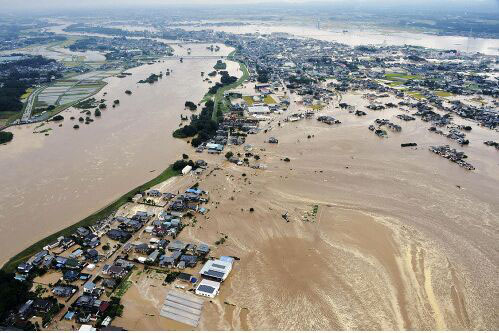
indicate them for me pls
(27, 253)
(220, 92)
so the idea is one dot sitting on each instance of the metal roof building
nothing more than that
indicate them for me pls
(261, 109)
(216, 270)
(182, 307)
(208, 288)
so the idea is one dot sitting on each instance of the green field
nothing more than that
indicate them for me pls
(415, 94)
(220, 93)
(27, 93)
(401, 76)
(248, 100)
(103, 213)
(442, 93)
(269, 100)
(7, 117)
(316, 107)
(394, 83)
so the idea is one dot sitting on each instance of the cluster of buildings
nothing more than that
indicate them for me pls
(304, 65)
(33, 70)
(453, 134)
(17, 41)
(94, 262)
(122, 48)
(452, 155)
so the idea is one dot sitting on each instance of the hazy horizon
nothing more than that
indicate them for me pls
(31, 6)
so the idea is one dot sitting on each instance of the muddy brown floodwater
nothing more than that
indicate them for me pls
(379, 237)
(50, 182)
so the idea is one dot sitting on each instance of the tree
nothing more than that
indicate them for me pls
(6, 137)
(191, 105)
(97, 113)
(220, 65)
(179, 165)
(196, 142)
(229, 155)
(185, 156)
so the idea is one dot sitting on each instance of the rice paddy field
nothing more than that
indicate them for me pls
(70, 90)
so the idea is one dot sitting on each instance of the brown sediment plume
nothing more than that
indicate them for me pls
(393, 244)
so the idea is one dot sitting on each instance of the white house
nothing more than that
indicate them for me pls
(208, 288)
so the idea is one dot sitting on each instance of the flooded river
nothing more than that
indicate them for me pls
(50, 182)
(352, 37)
(356, 37)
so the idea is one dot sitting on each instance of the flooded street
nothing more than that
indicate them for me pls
(401, 239)
(336, 218)
(377, 237)
(50, 182)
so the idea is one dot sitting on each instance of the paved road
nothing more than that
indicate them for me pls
(29, 104)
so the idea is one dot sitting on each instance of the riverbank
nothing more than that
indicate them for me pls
(79, 171)
(218, 96)
(10, 266)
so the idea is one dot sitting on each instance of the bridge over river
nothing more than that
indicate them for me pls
(197, 57)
